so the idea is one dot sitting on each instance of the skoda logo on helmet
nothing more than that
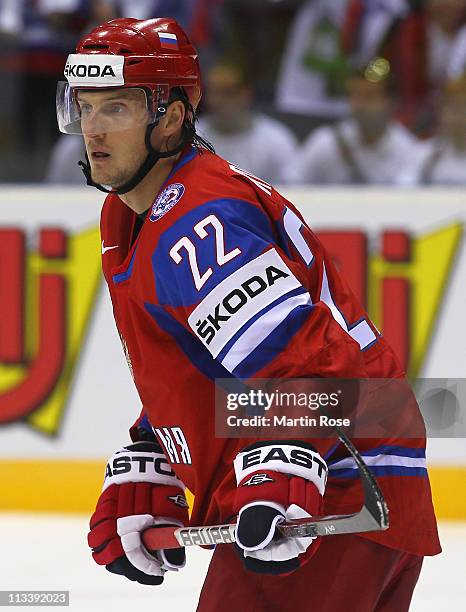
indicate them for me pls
(81, 70)
(94, 70)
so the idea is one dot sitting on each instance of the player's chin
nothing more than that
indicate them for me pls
(113, 177)
(105, 178)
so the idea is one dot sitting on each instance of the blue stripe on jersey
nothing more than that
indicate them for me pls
(194, 350)
(253, 319)
(144, 424)
(245, 226)
(399, 451)
(330, 451)
(283, 240)
(385, 460)
(381, 470)
(126, 274)
(274, 344)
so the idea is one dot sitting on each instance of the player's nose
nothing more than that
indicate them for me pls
(92, 126)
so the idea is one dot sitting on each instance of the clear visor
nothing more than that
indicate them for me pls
(99, 111)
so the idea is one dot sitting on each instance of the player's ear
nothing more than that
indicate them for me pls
(174, 118)
(170, 125)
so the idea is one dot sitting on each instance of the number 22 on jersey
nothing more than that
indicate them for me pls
(186, 245)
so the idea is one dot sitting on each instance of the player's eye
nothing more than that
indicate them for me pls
(85, 108)
(115, 109)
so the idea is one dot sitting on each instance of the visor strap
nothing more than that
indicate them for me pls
(150, 161)
(86, 168)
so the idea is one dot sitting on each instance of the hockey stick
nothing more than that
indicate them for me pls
(373, 516)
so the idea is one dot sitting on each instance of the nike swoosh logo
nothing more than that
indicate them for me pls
(109, 248)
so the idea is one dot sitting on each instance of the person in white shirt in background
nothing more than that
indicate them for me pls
(446, 30)
(370, 147)
(62, 167)
(445, 161)
(251, 140)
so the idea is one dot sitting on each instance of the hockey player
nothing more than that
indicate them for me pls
(184, 233)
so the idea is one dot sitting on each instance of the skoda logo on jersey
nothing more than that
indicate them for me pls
(235, 300)
(170, 196)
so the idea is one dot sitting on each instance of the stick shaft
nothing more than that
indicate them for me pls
(156, 538)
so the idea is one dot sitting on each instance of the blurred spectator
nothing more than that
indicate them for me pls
(43, 31)
(253, 141)
(369, 147)
(445, 162)
(207, 28)
(51, 29)
(63, 163)
(10, 18)
(446, 19)
(146, 9)
(313, 69)
(200, 19)
(419, 38)
(457, 65)
(10, 25)
(257, 30)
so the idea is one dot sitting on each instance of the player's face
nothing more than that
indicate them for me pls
(114, 125)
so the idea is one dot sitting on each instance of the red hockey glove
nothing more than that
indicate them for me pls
(277, 481)
(140, 491)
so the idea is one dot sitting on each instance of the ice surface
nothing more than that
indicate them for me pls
(49, 552)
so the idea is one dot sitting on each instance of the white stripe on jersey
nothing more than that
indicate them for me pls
(380, 461)
(362, 332)
(293, 225)
(239, 297)
(260, 329)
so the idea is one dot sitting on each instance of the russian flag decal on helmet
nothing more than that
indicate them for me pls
(168, 41)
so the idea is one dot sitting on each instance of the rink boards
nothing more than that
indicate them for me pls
(66, 395)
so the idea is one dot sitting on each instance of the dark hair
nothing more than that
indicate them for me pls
(189, 126)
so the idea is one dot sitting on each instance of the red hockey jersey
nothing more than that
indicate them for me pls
(212, 226)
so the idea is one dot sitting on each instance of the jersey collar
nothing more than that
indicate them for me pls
(186, 156)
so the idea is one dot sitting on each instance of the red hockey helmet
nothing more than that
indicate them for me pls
(154, 55)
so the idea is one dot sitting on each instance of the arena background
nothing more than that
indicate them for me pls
(66, 395)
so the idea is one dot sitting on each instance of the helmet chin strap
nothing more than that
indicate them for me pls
(150, 161)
